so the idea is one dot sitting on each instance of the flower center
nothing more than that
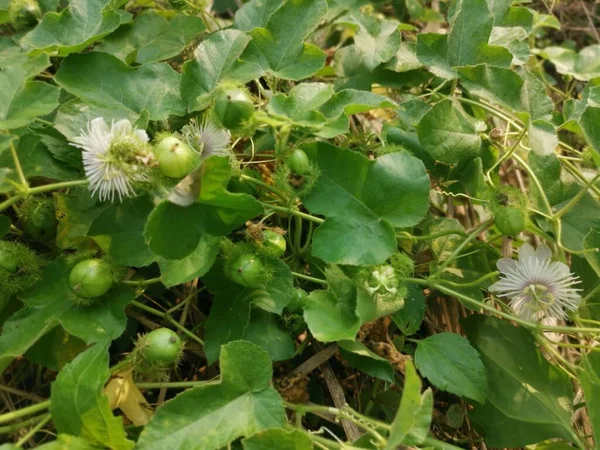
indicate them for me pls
(540, 294)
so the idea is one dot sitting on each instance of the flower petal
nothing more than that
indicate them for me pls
(543, 252)
(506, 265)
(526, 251)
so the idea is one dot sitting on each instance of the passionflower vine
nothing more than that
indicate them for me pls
(538, 288)
(115, 157)
(207, 138)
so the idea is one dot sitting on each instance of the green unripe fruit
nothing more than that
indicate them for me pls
(233, 107)
(510, 221)
(298, 162)
(509, 206)
(91, 278)
(298, 301)
(247, 270)
(9, 261)
(161, 347)
(175, 158)
(39, 218)
(274, 242)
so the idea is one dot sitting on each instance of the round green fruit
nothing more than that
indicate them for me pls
(298, 162)
(162, 347)
(298, 301)
(175, 158)
(233, 107)
(91, 278)
(510, 221)
(247, 270)
(9, 260)
(274, 243)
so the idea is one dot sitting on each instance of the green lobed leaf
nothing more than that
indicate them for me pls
(377, 40)
(49, 304)
(104, 83)
(119, 230)
(449, 362)
(214, 62)
(582, 66)
(331, 314)
(409, 319)
(279, 47)
(196, 264)
(255, 13)
(217, 212)
(525, 392)
(22, 100)
(411, 424)
(36, 161)
(151, 37)
(363, 201)
(447, 135)
(363, 359)
(78, 405)
(209, 417)
(75, 28)
(66, 442)
(55, 349)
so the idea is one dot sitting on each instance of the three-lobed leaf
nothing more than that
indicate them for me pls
(210, 417)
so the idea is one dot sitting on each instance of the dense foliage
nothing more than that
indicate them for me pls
(298, 224)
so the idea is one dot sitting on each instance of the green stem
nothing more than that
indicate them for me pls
(293, 212)
(10, 429)
(266, 186)
(573, 170)
(565, 209)
(168, 318)
(34, 430)
(141, 283)
(535, 181)
(309, 278)
(175, 384)
(42, 406)
(18, 168)
(9, 202)
(56, 186)
(427, 237)
(480, 229)
(472, 283)
(504, 157)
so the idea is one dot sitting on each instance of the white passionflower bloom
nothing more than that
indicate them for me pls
(114, 157)
(538, 288)
(208, 138)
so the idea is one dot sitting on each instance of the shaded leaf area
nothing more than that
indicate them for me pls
(525, 392)
(363, 201)
(78, 406)
(51, 303)
(249, 313)
(209, 417)
(216, 212)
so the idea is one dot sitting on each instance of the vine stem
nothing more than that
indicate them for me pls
(176, 384)
(476, 232)
(141, 283)
(39, 190)
(309, 278)
(168, 318)
(266, 186)
(293, 212)
(430, 236)
(34, 430)
(42, 406)
(18, 168)
(434, 284)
